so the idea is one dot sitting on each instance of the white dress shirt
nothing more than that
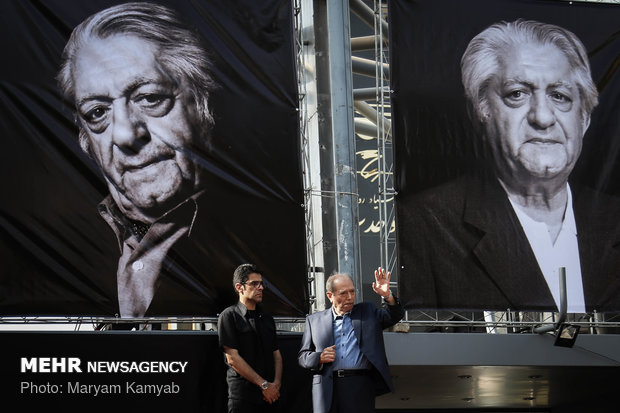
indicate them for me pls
(551, 256)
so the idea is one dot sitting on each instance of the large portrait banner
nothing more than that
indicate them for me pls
(148, 149)
(506, 118)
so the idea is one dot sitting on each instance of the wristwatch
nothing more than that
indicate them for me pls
(264, 385)
(387, 297)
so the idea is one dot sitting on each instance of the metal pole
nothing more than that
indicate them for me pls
(337, 138)
(563, 306)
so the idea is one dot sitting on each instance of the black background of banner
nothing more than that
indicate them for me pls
(434, 140)
(58, 256)
(202, 386)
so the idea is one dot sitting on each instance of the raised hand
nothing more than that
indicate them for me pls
(381, 285)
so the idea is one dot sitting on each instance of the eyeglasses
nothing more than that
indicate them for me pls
(255, 284)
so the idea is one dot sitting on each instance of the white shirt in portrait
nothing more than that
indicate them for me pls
(563, 253)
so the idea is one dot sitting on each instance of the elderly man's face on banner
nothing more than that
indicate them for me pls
(138, 123)
(533, 116)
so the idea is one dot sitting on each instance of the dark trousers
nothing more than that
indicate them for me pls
(242, 406)
(353, 394)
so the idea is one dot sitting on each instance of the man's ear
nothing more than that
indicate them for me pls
(329, 295)
(586, 123)
(483, 111)
(239, 287)
(84, 142)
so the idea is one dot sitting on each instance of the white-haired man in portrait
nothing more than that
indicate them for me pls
(138, 77)
(497, 240)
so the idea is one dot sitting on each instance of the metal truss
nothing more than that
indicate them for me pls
(504, 322)
(308, 130)
(386, 192)
(483, 322)
(373, 118)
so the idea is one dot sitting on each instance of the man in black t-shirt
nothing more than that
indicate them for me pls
(247, 336)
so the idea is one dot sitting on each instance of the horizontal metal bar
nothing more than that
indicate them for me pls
(371, 114)
(368, 93)
(362, 43)
(299, 320)
(365, 127)
(367, 67)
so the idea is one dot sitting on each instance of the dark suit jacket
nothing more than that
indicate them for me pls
(196, 276)
(462, 247)
(368, 325)
(184, 285)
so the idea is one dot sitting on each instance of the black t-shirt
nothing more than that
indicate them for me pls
(253, 335)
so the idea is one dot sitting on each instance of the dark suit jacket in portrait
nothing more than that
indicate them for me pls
(185, 283)
(368, 325)
(466, 249)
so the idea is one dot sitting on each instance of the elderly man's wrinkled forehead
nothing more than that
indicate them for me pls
(512, 56)
(141, 47)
